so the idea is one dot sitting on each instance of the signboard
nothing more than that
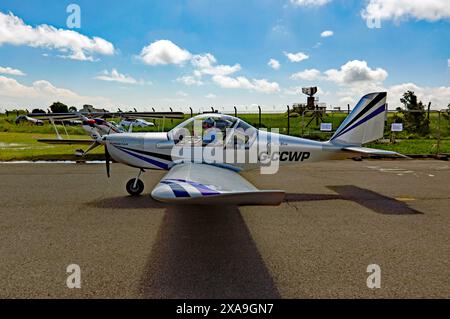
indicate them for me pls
(396, 127)
(326, 127)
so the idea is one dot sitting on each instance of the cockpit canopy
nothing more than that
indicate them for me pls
(214, 129)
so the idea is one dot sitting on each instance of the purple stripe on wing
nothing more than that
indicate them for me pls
(204, 190)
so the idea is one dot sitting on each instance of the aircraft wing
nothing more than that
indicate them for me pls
(66, 142)
(203, 184)
(151, 115)
(54, 116)
(127, 115)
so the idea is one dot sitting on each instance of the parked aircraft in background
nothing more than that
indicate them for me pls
(135, 123)
(96, 125)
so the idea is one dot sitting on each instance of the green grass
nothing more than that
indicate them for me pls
(24, 146)
(414, 146)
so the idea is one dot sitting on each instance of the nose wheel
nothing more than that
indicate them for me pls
(135, 186)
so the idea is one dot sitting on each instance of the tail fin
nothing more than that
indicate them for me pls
(365, 123)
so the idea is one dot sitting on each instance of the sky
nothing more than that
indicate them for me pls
(221, 53)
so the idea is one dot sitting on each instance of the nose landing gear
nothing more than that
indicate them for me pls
(135, 186)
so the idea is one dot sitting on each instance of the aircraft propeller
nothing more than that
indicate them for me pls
(108, 159)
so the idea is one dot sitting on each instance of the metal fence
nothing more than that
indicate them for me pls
(321, 124)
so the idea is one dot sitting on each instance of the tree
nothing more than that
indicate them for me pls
(73, 109)
(414, 114)
(58, 107)
(446, 113)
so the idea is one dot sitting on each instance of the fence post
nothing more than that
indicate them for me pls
(428, 112)
(438, 144)
(235, 111)
(153, 109)
(289, 120)
(191, 111)
(259, 111)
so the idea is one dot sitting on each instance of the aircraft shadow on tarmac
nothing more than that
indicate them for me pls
(205, 252)
(374, 201)
(208, 251)
(200, 252)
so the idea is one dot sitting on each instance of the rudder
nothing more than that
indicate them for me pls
(365, 123)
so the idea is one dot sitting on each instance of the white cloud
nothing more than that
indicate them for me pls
(307, 75)
(327, 33)
(41, 94)
(206, 64)
(274, 64)
(356, 72)
(296, 57)
(241, 82)
(311, 3)
(265, 86)
(431, 10)
(438, 96)
(227, 82)
(10, 71)
(164, 52)
(189, 80)
(448, 63)
(74, 45)
(115, 76)
(210, 96)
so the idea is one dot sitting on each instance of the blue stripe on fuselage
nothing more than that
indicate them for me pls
(146, 159)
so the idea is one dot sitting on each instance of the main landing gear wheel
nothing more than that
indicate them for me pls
(135, 187)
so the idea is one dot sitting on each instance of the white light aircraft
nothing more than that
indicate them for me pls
(204, 154)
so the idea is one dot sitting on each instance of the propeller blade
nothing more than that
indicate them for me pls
(107, 158)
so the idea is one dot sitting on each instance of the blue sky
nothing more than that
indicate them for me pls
(216, 53)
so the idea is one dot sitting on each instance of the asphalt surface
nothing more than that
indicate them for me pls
(338, 218)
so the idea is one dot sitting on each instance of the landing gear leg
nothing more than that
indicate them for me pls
(135, 186)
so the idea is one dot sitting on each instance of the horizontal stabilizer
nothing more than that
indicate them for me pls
(372, 151)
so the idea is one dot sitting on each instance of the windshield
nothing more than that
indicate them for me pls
(211, 129)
